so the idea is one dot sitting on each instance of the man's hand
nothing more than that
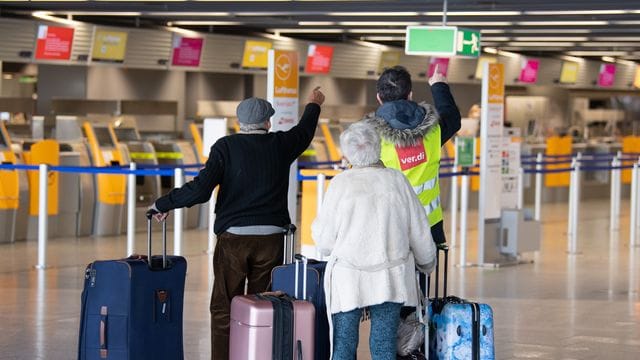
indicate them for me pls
(316, 97)
(152, 211)
(437, 76)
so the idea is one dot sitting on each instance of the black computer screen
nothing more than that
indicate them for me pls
(103, 136)
(126, 134)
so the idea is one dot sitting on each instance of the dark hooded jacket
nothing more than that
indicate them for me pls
(405, 123)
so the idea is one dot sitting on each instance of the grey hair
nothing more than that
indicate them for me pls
(360, 144)
(252, 127)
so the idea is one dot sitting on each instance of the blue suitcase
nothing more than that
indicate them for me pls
(284, 278)
(132, 310)
(458, 329)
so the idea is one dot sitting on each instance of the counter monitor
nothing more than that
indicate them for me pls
(103, 136)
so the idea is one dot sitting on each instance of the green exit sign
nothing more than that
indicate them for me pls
(431, 40)
(468, 43)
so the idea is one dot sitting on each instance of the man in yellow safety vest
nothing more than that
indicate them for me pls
(413, 133)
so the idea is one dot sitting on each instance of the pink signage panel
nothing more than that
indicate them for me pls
(529, 71)
(442, 63)
(186, 51)
(607, 75)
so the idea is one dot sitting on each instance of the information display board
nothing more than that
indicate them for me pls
(319, 59)
(186, 51)
(529, 71)
(282, 88)
(465, 151)
(569, 72)
(256, 54)
(607, 75)
(54, 43)
(109, 45)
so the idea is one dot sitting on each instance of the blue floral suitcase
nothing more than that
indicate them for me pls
(459, 329)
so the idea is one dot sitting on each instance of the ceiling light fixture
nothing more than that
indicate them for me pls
(376, 31)
(490, 50)
(473, 13)
(550, 38)
(46, 15)
(205, 22)
(374, 13)
(597, 53)
(181, 31)
(186, 13)
(576, 12)
(563, 23)
(383, 38)
(378, 23)
(572, 58)
(316, 23)
(550, 31)
(306, 31)
(540, 44)
(608, 59)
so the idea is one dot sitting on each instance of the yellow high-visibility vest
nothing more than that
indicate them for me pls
(420, 164)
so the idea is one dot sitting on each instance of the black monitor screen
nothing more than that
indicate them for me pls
(3, 142)
(126, 134)
(103, 136)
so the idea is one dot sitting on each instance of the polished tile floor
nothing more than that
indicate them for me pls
(584, 306)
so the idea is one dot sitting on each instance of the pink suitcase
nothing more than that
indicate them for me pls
(252, 332)
(252, 329)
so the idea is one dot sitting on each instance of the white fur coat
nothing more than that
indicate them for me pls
(376, 231)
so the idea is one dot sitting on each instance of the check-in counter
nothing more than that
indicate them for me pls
(178, 153)
(9, 189)
(76, 207)
(110, 189)
(133, 149)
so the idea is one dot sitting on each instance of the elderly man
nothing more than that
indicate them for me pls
(252, 169)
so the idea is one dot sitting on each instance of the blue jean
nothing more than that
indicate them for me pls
(384, 332)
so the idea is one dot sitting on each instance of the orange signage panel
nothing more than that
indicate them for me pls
(558, 146)
(496, 83)
(286, 74)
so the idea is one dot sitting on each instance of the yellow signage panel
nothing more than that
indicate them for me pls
(256, 54)
(109, 45)
(636, 78)
(481, 61)
(569, 72)
(389, 59)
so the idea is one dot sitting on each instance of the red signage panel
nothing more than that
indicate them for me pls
(54, 43)
(319, 59)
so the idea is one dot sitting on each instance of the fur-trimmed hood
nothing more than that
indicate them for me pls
(403, 137)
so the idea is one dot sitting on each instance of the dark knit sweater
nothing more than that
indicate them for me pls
(253, 173)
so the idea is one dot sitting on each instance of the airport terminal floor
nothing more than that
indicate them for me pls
(584, 306)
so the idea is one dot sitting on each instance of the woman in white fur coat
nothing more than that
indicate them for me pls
(376, 232)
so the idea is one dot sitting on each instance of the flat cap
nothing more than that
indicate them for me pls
(254, 111)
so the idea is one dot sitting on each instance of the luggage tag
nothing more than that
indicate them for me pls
(162, 299)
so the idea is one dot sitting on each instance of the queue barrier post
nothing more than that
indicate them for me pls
(131, 210)
(178, 216)
(43, 215)
(614, 221)
(574, 198)
(538, 195)
(633, 221)
(464, 207)
(320, 179)
(454, 210)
